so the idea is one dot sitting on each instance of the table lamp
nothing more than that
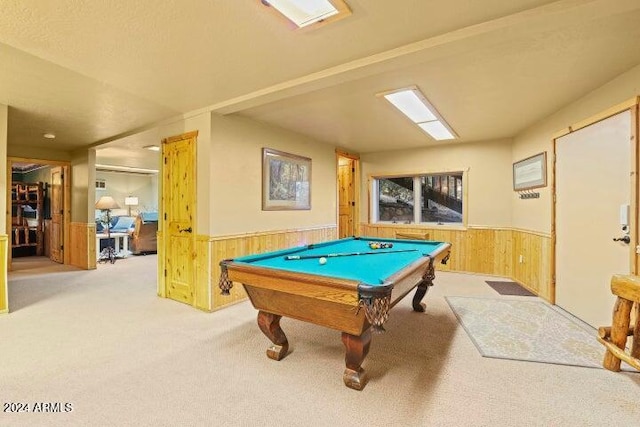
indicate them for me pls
(130, 201)
(105, 204)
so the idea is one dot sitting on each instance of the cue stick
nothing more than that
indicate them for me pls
(297, 257)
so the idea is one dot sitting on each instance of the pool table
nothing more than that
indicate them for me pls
(351, 289)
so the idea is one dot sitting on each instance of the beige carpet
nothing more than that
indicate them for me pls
(104, 342)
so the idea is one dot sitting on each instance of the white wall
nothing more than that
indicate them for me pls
(489, 181)
(229, 175)
(40, 175)
(535, 214)
(82, 185)
(236, 177)
(28, 152)
(121, 184)
(202, 124)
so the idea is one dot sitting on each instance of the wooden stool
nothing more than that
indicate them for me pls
(614, 338)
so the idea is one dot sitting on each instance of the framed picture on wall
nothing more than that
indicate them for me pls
(286, 181)
(530, 172)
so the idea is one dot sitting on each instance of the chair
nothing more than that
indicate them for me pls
(124, 224)
(143, 238)
(614, 338)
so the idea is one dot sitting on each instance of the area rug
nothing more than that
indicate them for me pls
(509, 288)
(529, 330)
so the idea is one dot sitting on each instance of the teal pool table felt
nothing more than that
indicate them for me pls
(372, 269)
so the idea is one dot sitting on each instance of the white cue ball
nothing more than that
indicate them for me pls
(322, 261)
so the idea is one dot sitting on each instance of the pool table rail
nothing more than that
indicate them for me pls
(332, 303)
(308, 285)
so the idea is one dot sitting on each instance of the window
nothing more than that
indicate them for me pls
(395, 199)
(439, 198)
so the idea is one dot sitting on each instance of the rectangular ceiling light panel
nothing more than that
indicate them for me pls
(304, 12)
(437, 130)
(413, 104)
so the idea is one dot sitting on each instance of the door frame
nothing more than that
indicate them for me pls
(634, 155)
(66, 168)
(163, 234)
(356, 189)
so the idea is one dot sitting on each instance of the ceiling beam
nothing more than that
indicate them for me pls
(544, 18)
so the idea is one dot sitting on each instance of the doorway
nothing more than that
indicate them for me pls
(38, 203)
(348, 194)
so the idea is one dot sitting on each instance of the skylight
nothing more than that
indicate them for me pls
(306, 12)
(412, 103)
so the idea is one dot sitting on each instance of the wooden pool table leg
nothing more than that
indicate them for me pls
(357, 348)
(417, 303)
(423, 287)
(270, 326)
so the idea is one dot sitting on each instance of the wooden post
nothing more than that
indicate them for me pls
(635, 347)
(621, 312)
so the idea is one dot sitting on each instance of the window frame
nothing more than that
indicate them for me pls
(374, 213)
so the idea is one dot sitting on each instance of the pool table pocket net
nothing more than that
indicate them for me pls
(376, 303)
(225, 284)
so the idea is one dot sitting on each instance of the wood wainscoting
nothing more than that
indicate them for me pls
(210, 250)
(490, 251)
(482, 250)
(82, 251)
(203, 289)
(224, 247)
(4, 302)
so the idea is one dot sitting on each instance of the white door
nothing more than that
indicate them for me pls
(592, 183)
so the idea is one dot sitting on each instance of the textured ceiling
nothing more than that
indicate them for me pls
(90, 71)
(506, 82)
(17, 167)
